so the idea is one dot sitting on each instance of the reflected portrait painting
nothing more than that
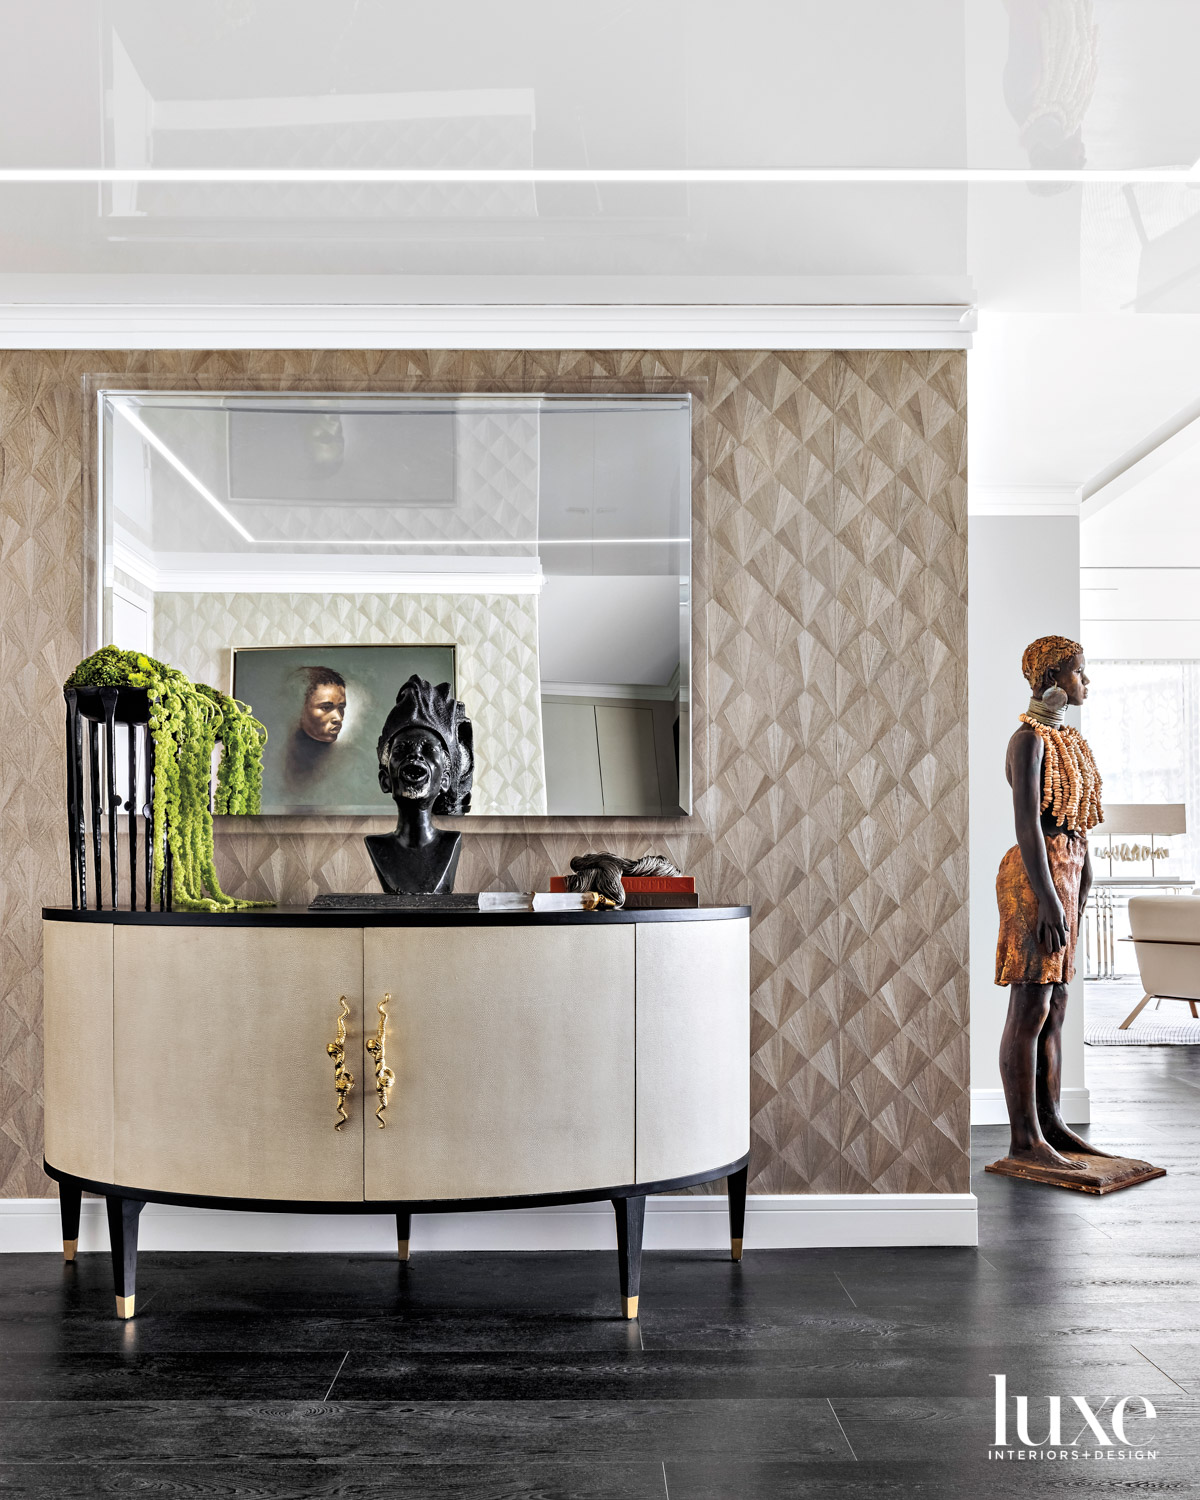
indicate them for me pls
(322, 707)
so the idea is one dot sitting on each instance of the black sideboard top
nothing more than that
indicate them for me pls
(299, 916)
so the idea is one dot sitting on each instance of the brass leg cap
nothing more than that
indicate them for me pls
(124, 1307)
(735, 1249)
(630, 1306)
(402, 1249)
(70, 1247)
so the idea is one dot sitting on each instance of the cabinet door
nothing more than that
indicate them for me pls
(628, 767)
(513, 1054)
(573, 786)
(223, 1083)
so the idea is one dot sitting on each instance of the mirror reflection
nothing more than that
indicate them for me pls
(309, 553)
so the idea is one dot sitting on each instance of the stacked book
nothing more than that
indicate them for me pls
(649, 890)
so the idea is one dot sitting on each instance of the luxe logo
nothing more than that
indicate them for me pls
(1053, 1437)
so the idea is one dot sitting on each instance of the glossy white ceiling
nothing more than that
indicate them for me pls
(951, 86)
(1088, 289)
(874, 83)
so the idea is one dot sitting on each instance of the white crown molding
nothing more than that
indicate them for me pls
(693, 1222)
(988, 1107)
(1023, 500)
(95, 325)
(650, 692)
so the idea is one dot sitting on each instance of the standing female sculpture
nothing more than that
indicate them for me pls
(1041, 889)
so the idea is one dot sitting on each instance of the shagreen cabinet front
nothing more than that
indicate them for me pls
(223, 1084)
(513, 1055)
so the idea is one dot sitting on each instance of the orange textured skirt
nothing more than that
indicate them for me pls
(1019, 957)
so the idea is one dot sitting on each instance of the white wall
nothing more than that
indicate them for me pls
(1023, 579)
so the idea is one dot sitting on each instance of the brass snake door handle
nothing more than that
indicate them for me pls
(343, 1079)
(384, 1077)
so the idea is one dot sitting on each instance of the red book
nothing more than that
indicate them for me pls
(685, 884)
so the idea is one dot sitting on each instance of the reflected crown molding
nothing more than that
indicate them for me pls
(78, 325)
(651, 692)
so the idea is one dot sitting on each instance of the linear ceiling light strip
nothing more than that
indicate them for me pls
(598, 175)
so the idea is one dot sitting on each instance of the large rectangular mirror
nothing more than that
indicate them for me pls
(533, 549)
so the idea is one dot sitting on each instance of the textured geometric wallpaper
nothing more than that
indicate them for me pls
(496, 636)
(830, 719)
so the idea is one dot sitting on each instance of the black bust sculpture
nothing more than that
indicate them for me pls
(426, 762)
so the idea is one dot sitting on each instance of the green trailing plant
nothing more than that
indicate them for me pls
(187, 722)
(240, 770)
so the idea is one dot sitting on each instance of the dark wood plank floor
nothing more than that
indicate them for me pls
(796, 1374)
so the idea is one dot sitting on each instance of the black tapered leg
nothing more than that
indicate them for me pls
(735, 1186)
(123, 1236)
(131, 811)
(70, 1195)
(108, 703)
(631, 1216)
(75, 793)
(72, 798)
(403, 1234)
(93, 739)
(148, 811)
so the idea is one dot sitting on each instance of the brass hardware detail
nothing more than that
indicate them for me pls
(343, 1079)
(629, 1306)
(384, 1077)
(124, 1307)
(402, 1249)
(735, 1248)
(69, 1249)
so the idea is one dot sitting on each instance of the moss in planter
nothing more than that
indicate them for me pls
(187, 720)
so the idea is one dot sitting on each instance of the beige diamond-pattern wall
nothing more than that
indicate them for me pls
(830, 715)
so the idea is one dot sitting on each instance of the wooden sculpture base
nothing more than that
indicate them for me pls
(1102, 1174)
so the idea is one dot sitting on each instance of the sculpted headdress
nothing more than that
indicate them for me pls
(435, 708)
(1044, 655)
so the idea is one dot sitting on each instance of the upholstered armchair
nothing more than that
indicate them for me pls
(1166, 939)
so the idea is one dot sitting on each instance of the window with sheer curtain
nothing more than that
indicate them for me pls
(1142, 720)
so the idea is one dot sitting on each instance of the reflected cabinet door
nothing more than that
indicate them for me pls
(512, 1049)
(223, 1083)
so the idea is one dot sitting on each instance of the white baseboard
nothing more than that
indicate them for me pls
(801, 1221)
(987, 1107)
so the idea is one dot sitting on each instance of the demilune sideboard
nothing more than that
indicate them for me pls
(374, 1063)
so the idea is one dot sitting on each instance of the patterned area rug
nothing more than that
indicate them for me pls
(1108, 1002)
(1141, 1034)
